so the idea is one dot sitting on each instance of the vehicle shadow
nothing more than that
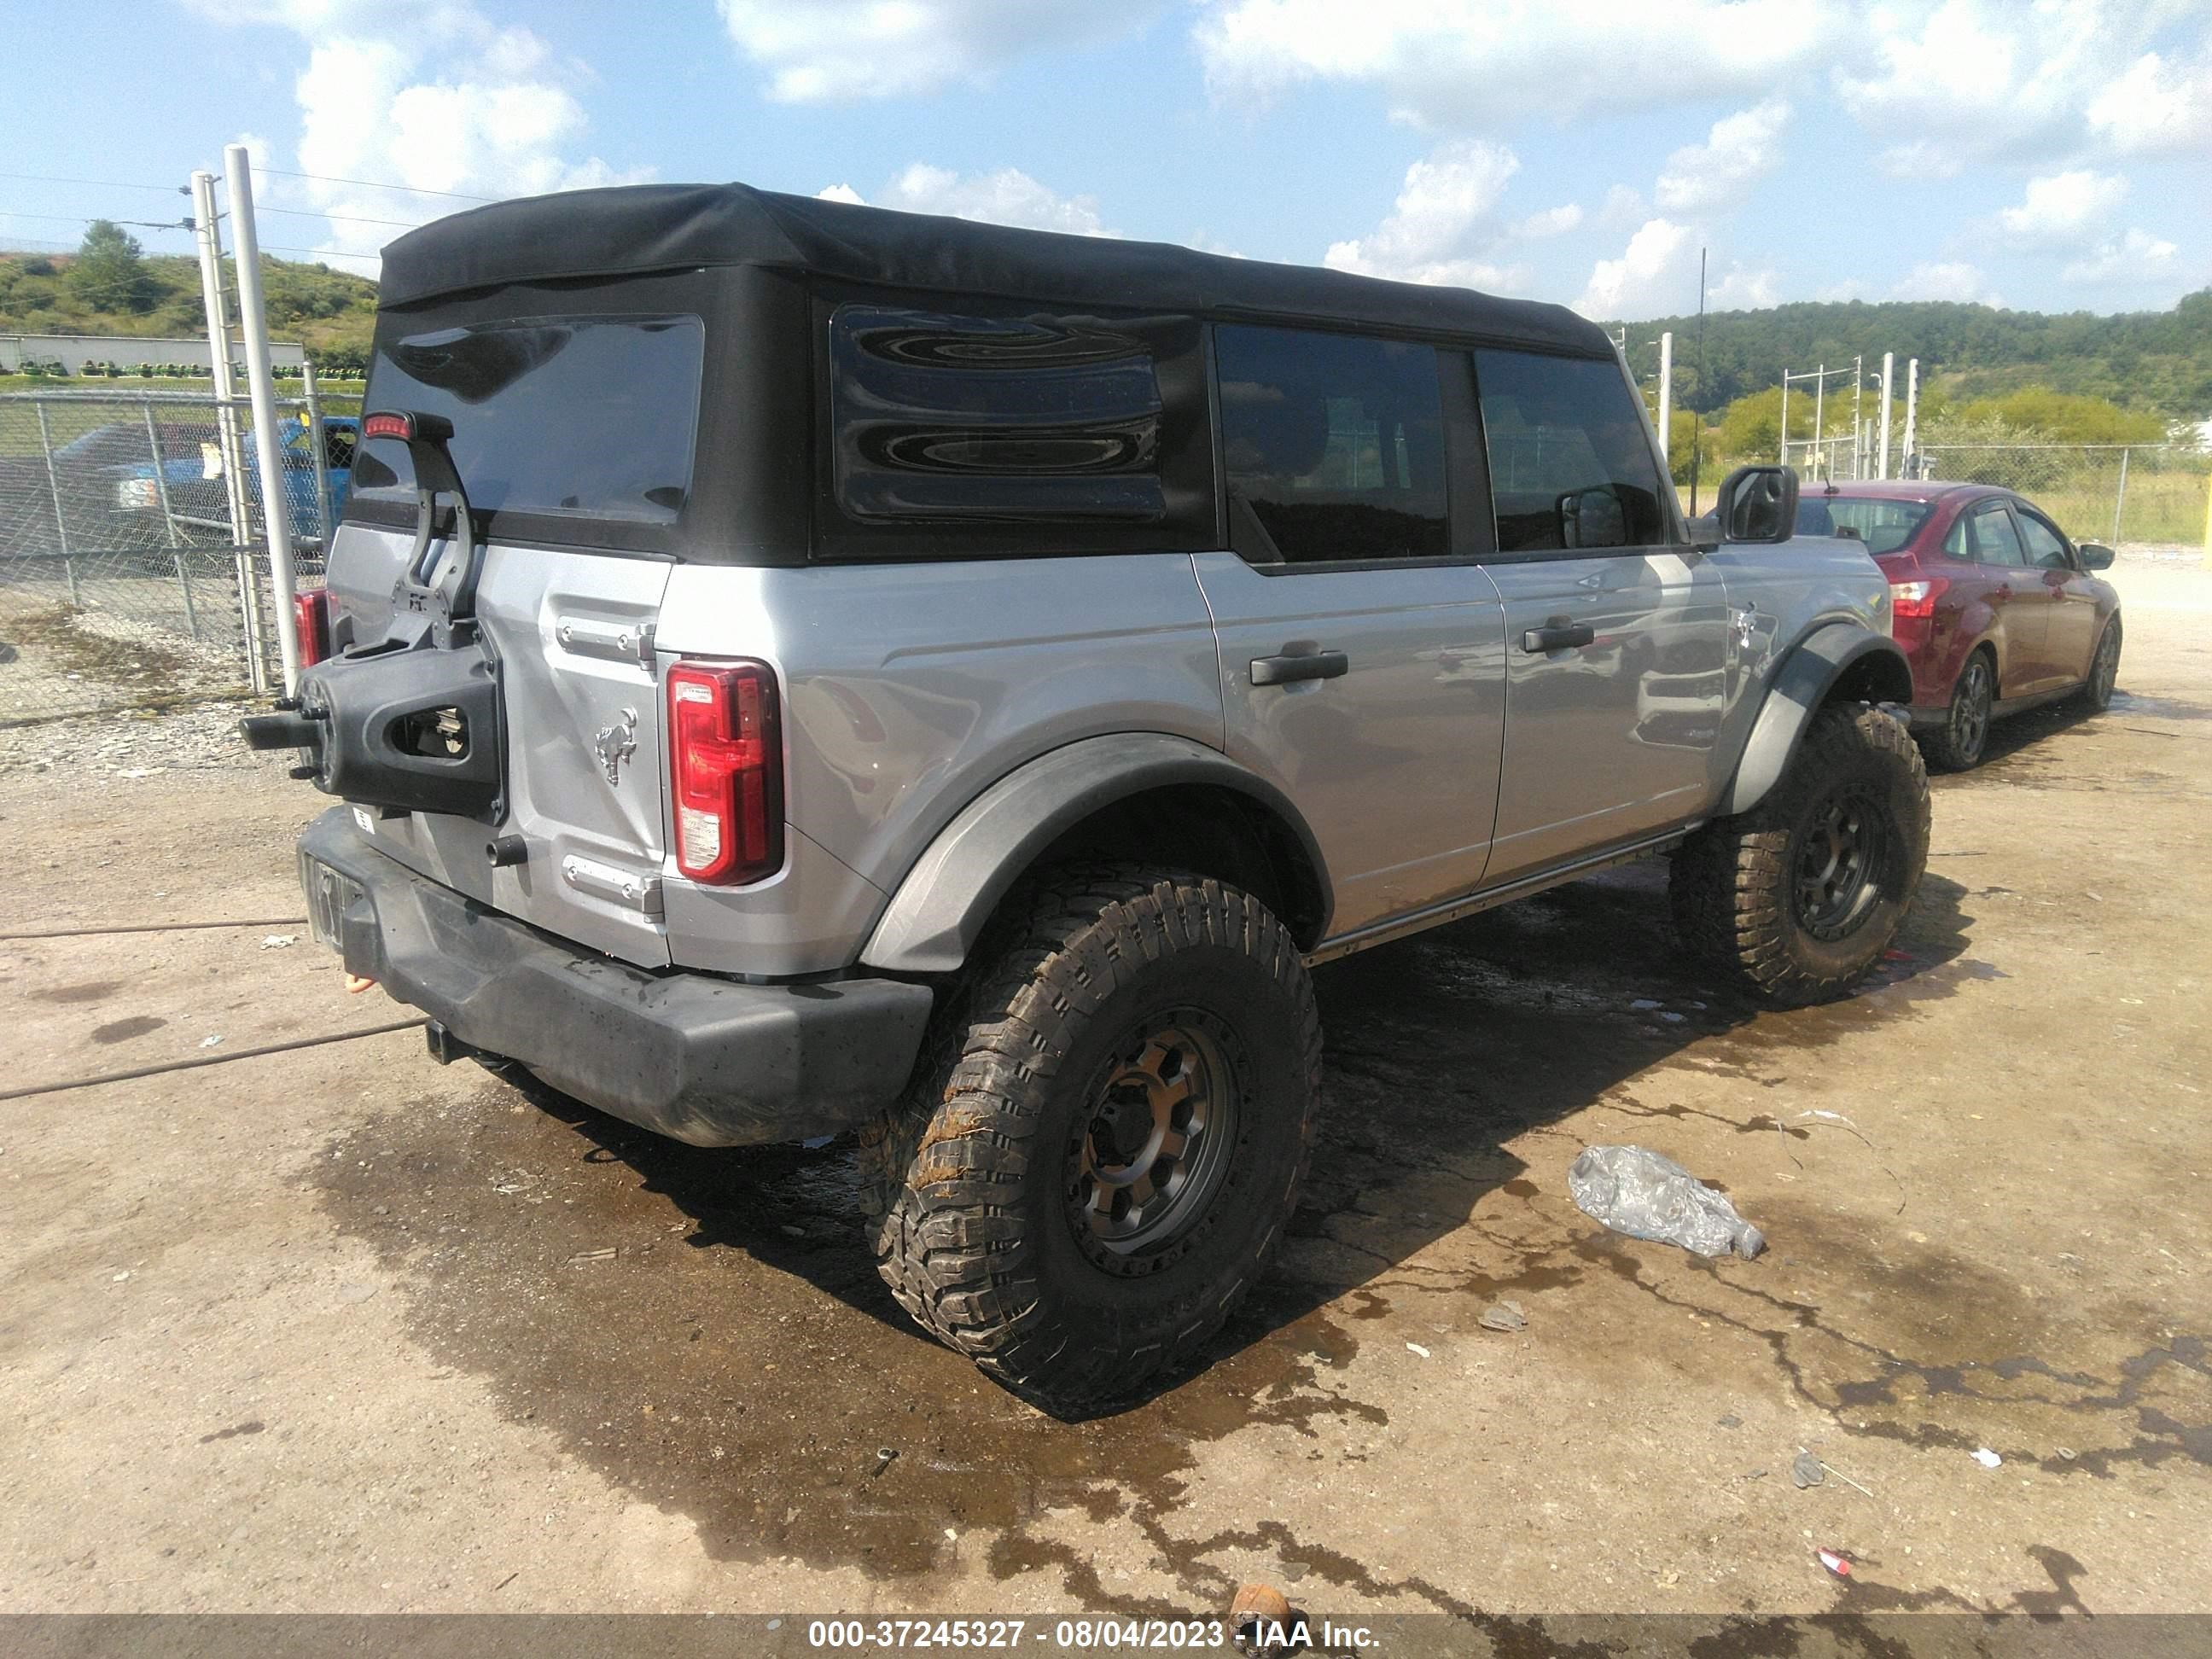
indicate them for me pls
(1443, 1050)
(705, 1327)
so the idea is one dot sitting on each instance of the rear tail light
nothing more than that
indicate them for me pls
(311, 624)
(1916, 599)
(726, 750)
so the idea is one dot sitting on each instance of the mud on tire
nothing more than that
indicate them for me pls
(1801, 895)
(1113, 1013)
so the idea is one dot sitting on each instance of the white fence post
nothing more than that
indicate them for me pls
(268, 444)
(1888, 364)
(2120, 498)
(228, 448)
(1909, 449)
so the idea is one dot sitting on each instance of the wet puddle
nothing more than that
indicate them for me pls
(707, 1329)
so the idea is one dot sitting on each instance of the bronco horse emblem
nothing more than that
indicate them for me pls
(615, 743)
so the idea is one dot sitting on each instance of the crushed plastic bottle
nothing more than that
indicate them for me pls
(1635, 1191)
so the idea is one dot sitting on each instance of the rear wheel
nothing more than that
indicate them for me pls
(1099, 1158)
(1801, 895)
(1957, 744)
(2096, 692)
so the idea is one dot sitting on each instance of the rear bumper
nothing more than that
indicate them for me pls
(699, 1058)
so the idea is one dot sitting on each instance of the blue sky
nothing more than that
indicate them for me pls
(2052, 156)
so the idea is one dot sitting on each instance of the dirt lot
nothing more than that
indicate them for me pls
(336, 1329)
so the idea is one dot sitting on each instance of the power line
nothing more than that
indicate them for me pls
(376, 184)
(107, 184)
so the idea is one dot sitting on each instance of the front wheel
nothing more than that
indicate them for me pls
(2096, 692)
(1957, 744)
(1801, 895)
(1102, 1155)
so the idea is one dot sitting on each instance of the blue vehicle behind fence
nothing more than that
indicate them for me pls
(197, 502)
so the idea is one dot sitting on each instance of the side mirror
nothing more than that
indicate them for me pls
(1758, 504)
(1592, 518)
(2095, 556)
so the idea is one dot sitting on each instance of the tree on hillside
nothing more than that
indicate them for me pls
(1751, 427)
(2057, 418)
(109, 272)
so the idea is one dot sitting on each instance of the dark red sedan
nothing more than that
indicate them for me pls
(1995, 608)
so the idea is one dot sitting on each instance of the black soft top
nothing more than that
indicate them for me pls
(635, 228)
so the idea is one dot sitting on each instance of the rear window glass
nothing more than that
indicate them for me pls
(1570, 460)
(1883, 525)
(1334, 442)
(941, 417)
(590, 417)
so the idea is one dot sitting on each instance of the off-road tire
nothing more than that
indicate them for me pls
(1959, 744)
(2096, 692)
(969, 1184)
(1736, 884)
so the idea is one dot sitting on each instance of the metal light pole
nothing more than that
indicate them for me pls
(1819, 414)
(1667, 399)
(268, 443)
(1785, 416)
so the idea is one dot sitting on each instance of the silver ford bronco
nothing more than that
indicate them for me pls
(789, 667)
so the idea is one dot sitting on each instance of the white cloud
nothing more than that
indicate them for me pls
(1552, 221)
(828, 50)
(1483, 64)
(1623, 207)
(2154, 106)
(1746, 290)
(1008, 196)
(1970, 80)
(2064, 209)
(842, 193)
(1954, 280)
(1739, 149)
(1443, 220)
(2137, 257)
(428, 94)
(1656, 275)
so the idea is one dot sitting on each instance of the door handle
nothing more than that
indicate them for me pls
(1557, 634)
(1308, 666)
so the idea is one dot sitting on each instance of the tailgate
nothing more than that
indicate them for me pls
(580, 708)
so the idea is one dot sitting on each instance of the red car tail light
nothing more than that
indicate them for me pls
(726, 771)
(311, 624)
(1916, 599)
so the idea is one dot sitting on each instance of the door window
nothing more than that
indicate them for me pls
(2046, 547)
(1334, 443)
(1570, 462)
(1995, 542)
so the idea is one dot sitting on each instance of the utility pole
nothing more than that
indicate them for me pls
(1858, 417)
(1786, 415)
(230, 452)
(268, 442)
(1667, 399)
(1696, 428)
(1819, 414)
(1888, 363)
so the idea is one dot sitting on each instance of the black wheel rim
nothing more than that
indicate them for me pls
(1157, 1138)
(2107, 674)
(1970, 709)
(1843, 854)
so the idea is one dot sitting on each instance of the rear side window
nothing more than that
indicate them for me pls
(1570, 462)
(940, 418)
(582, 417)
(1334, 443)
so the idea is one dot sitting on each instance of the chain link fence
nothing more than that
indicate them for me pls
(134, 565)
(2110, 493)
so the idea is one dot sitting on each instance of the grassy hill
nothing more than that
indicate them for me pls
(2157, 362)
(330, 313)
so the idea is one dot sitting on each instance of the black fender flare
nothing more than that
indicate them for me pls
(940, 908)
(1800, 686)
